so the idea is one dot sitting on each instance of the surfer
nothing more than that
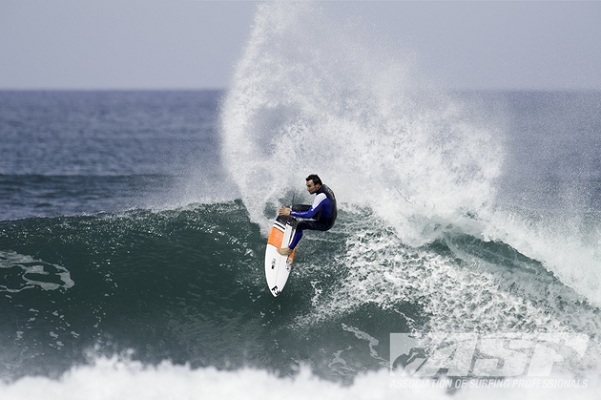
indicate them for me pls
(320, 216)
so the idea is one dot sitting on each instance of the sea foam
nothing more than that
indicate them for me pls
(115, 378)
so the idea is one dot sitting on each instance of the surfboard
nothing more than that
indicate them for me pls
(277, 266)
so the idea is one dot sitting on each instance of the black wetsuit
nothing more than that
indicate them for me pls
(320, 216)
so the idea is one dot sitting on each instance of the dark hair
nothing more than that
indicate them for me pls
(314, 178)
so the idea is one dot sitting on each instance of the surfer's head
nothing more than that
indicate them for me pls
(314, 178)
(313, 183)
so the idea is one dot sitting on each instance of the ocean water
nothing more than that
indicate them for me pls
(133, 227)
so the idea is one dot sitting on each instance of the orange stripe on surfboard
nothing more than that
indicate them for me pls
(275, 237)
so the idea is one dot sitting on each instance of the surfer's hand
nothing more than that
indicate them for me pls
(284, 211)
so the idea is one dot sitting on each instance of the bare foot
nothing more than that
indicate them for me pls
(285, 251)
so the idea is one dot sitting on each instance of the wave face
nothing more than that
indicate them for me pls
(187, 286)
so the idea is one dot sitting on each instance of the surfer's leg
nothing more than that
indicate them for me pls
(298, 235)
(300, 227)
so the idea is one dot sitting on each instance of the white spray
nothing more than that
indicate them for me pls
(312, 94)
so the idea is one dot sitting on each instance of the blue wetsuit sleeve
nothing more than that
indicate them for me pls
(318, 203)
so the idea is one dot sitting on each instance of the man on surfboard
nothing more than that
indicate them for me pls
(320, 216)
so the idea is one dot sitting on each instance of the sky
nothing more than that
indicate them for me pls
(193, 44)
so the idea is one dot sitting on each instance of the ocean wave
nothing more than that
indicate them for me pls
(188, 285)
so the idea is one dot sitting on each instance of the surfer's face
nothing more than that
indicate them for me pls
(311, 187)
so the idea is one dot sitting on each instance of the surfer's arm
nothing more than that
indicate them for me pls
(318, 203)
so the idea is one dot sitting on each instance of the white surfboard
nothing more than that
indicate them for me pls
(277, 266)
